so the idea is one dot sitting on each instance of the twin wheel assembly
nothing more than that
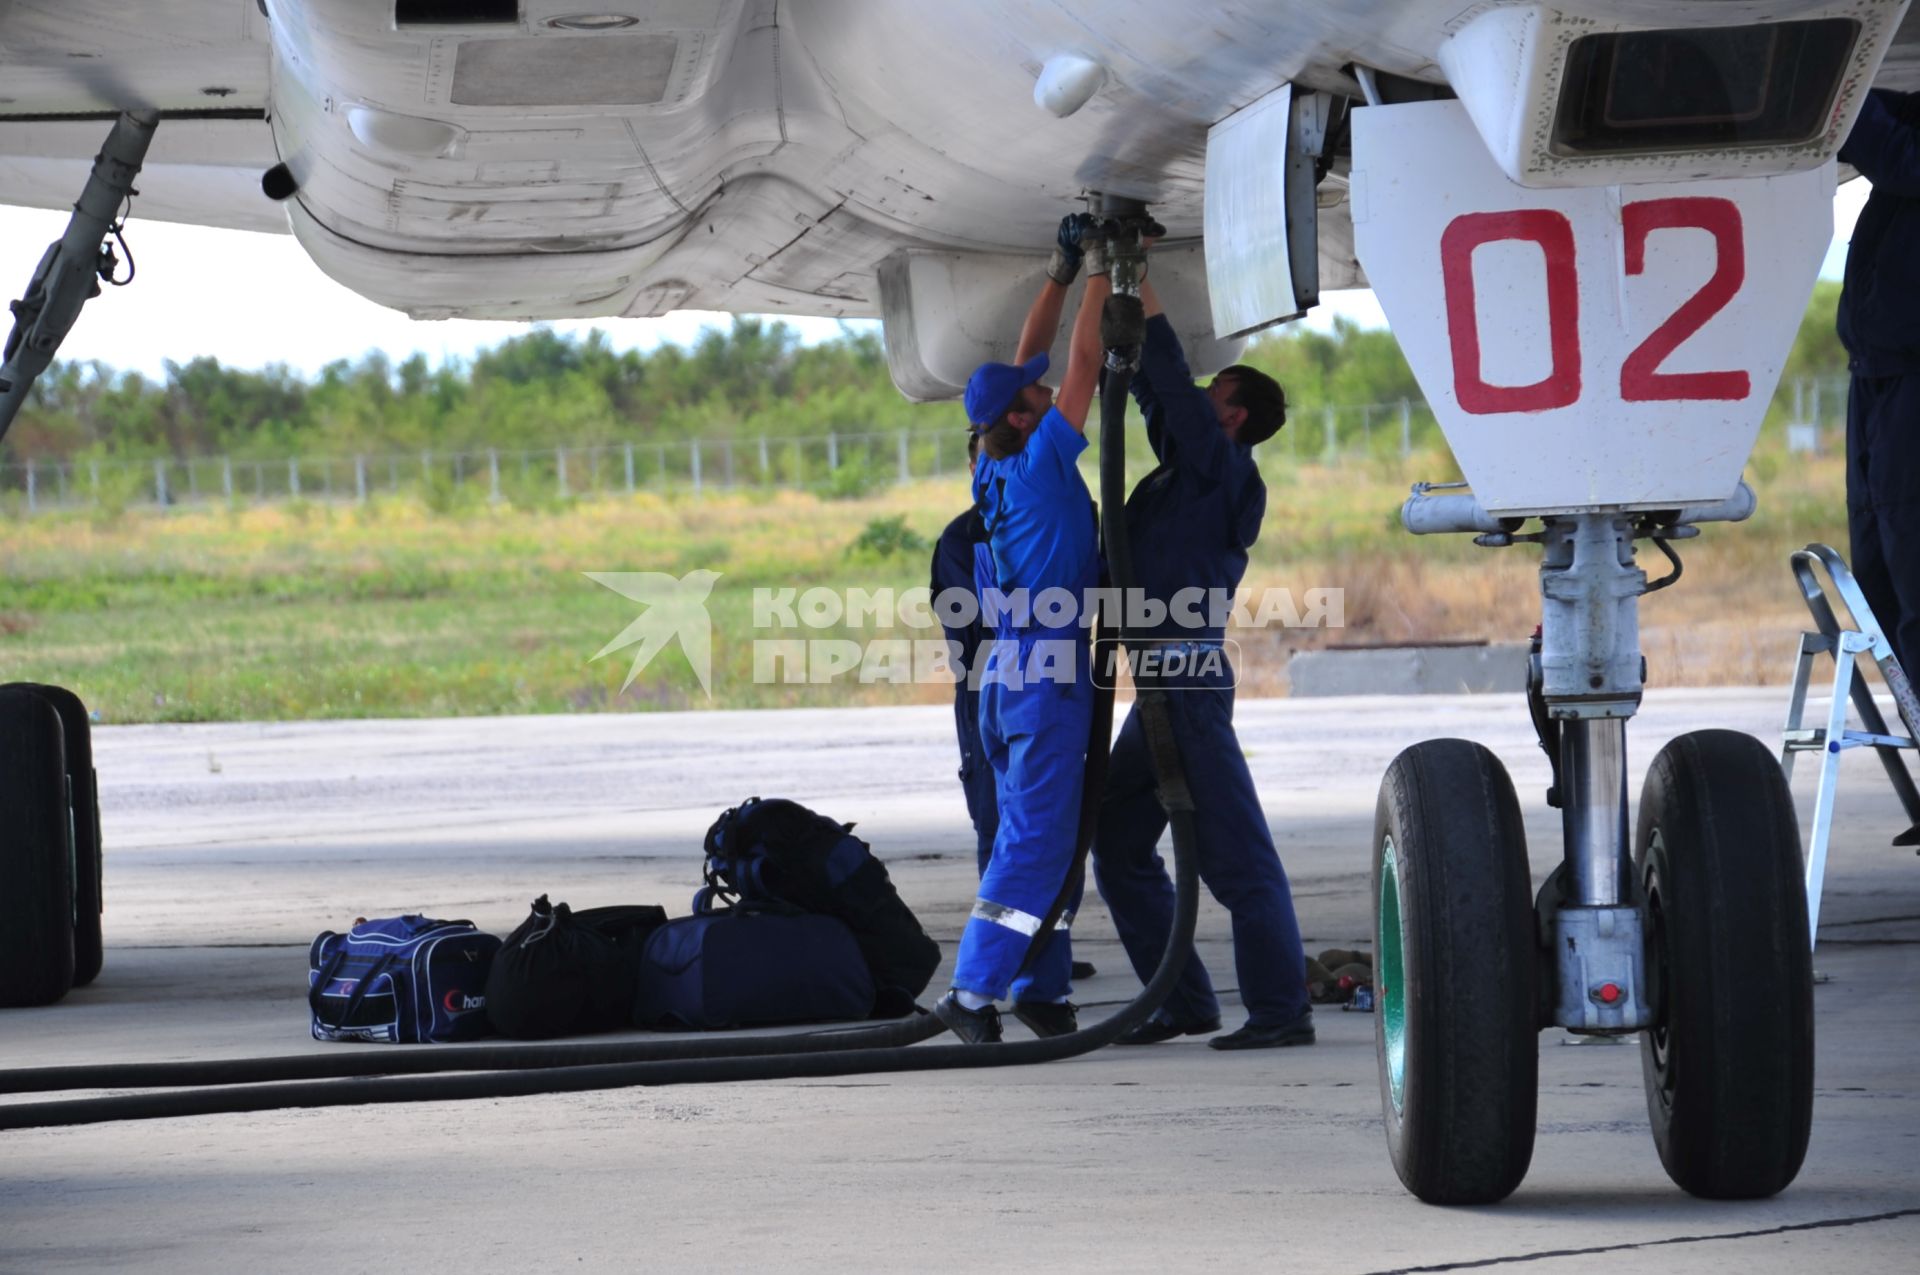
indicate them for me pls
(1697, 939)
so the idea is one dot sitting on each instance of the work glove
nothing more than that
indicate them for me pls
(1068, 247)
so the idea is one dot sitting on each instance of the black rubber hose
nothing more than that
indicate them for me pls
(427, 1059)
(752, 1058)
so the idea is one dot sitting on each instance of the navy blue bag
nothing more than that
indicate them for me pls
(400, 980)
(777, 851)
(750, 966)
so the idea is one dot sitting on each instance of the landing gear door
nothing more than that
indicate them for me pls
(1260, 176)
(1583, 347)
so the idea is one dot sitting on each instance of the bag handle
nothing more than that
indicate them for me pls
(359, 989)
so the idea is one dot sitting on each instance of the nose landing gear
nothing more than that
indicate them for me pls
(1699, 939)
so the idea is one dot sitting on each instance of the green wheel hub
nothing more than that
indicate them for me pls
(1390, 984)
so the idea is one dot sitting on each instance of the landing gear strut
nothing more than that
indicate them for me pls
(1696, 938)
(50, 899)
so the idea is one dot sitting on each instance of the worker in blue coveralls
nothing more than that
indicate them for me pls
(1036, 698)
(1879, 323)
(967, 636)
(1191, 521)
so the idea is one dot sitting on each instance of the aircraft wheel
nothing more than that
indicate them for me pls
(83, 794)
(1728, 1063)
(36, 856)
(1454, 956)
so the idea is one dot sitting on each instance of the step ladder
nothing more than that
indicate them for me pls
(1846, 646)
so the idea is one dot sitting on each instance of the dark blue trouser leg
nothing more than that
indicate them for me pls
(1132, 879)
(1238, 863)
(1883, 504)
(977, 780)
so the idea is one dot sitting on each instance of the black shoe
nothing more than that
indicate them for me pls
(974, 1026)
(1155, 1030)
(1083, 969)
(1297, 1032)
(1044, 1018)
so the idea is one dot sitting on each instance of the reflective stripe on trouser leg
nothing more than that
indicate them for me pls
(1036, 737)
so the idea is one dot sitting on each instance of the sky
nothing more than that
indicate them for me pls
(251, 299)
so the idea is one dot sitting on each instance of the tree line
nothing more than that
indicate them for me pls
(544, 389)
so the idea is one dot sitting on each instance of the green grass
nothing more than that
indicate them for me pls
(430, 606)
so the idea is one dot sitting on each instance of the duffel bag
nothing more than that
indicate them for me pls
(563, 972)
(400, 980)
(744, 967)
(778, 850)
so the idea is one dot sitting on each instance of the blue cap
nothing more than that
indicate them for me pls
(993, 386)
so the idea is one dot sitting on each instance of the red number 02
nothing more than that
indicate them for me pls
(1641, 381)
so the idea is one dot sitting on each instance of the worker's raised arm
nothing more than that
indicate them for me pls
(1084, 355)
(1043, 316)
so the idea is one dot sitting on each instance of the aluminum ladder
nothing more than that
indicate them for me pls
(1846, 646)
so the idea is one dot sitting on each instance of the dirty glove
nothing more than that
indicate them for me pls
(1068, 248)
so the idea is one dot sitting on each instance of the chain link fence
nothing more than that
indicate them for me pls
(834, 464)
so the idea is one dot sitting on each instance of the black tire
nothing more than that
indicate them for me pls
(36, 858)
(1450, 860)
(1728, 1063)
(83, 793)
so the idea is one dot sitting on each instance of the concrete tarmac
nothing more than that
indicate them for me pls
(230, 846)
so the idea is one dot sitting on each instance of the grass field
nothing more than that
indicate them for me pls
(396, 609)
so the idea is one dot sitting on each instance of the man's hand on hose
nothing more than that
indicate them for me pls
(1069, 247)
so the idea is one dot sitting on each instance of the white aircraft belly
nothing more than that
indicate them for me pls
(792, 147)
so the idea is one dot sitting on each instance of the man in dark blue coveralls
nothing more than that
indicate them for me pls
(1191, 521)
(952, 568)
(1036, 700)
(1879, 323)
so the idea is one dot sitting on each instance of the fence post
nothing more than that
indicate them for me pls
(629, 453)
(33, 503)
(1332, 443)
(1366, 428)
(764, 474)
(160, 483)
(93, 479)
(226, 478)
(726, 459)
(560, 469)
(1406, 429)
(493, 476)
(360, 479)
(1818, 419)
(833, 452)
(696, 467)
(904, 476)
(293, 476)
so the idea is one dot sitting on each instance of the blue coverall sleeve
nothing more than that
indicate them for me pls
(1884, 145)
(1191, 426)
(1150, 412)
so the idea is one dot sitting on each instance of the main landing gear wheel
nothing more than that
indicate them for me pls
(36, 853)
(83, 795)
(1728, 1062)
(1455, 1026)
